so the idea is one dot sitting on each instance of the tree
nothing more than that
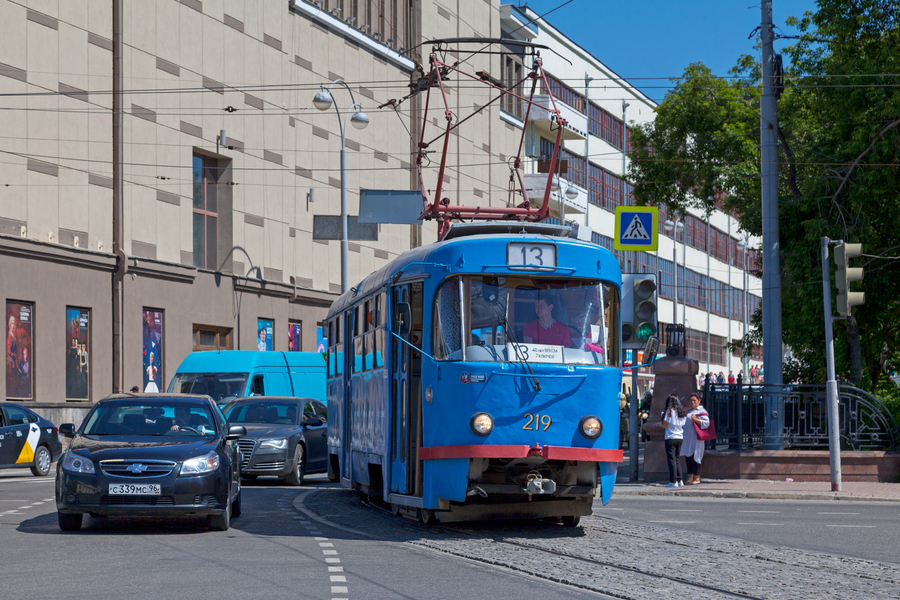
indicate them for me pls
(839, 149)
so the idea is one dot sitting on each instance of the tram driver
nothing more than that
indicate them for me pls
(546, 329)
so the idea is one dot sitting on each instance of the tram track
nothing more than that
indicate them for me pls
(457, 530)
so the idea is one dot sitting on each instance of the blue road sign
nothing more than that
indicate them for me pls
(637, 228)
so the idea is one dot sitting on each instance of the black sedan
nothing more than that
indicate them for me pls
(150, 455)
(27, 439)
(285, 436)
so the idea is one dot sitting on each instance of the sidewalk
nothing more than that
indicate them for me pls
(766, 489)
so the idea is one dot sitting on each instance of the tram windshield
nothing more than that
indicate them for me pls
(538, 319)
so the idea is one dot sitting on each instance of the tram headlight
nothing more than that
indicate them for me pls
(590, 427)
(482, 423)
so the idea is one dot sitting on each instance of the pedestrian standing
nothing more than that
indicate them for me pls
(674, 418)
(692, 448)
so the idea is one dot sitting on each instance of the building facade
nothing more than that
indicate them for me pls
(231, 177)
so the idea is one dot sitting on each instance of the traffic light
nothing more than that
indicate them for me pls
(639, 299)
(846, 275)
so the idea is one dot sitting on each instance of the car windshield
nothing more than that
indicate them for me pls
(538, 319)
(150, 417)
(221, 387)
(283, 413)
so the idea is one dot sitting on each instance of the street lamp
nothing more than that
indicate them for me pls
(674, 227)
(359, 120)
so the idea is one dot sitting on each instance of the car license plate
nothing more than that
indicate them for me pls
(129, 489)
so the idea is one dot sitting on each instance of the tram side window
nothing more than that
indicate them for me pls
(368, 333)
(357, 341)
(447, 330)
(329, 355)
(379, 331)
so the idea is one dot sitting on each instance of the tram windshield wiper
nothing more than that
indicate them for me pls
(522, 360)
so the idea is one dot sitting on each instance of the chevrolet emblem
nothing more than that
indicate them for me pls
(137, 468)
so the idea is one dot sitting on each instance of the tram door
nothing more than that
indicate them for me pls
(346, 439)
(406, 394)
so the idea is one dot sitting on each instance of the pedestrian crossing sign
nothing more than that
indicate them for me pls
(637, 228)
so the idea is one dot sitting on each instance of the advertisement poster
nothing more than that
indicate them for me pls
(294, 337)
(19, 318)
(264, 334)
(321, 340)
(77, 353)
(152, 356)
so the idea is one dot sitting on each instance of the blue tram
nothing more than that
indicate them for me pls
(478, 377)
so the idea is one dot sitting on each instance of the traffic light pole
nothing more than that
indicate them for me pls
(831, 388)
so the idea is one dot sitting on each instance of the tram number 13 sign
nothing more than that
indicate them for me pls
(530, 254)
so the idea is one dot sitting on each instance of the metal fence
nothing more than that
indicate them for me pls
(739, 412)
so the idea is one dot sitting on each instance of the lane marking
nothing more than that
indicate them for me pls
(329, 552)
(333, 560)
(338, 579)
(762, 524)
(867, 526)
(49, 499)
(676, 522)
(678, 510)
(24, 507)
(326, 545)
(339, 589)
(335, 569)
(321, 539)
(836, 513)
(764, 512)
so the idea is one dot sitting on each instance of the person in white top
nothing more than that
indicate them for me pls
(692, 448)
(674, 418)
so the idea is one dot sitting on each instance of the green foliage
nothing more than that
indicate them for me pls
(839, 149)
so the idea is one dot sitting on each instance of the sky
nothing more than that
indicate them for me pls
(648, 41)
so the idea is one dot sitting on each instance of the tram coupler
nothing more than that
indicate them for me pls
(538, 485)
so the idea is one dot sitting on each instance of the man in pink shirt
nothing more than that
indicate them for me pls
(546, 329)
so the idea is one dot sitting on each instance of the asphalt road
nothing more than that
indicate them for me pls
(867, 530)
(273, 550)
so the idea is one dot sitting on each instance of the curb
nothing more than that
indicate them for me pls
(756, 495)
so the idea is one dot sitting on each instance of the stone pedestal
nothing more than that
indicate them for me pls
(673, 375)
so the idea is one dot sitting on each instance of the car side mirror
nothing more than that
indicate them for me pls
(402, 319)
(651, 349)
(236, 432)
(314, 422)
(67, 430)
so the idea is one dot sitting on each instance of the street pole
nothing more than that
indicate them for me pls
(633, 421)
(772, 339)
(831, 388)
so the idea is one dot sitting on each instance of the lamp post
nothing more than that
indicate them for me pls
(360, 120)
(674, 227)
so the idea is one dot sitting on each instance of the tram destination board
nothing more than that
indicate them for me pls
(531, 254)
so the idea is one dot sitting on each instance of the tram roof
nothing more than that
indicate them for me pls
(451, 247)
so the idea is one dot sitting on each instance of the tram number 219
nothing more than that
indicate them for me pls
(537, 422)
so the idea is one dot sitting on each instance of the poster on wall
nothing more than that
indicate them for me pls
(19, 317)
(152, 355)
(293, 337)
(321, 340)
(264, 334)
(77, 353)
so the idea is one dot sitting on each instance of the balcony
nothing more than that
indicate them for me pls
(576, 122)
(536, 184)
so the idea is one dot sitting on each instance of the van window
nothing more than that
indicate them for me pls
(256, 386)
(221, 387)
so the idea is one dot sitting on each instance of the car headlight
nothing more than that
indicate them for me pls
(78, 464)
(482, 423)
(200, 464)
(277, 444)
(590, 427)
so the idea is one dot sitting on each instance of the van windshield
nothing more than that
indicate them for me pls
(221, 387)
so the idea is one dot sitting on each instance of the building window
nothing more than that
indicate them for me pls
(206, 211)
(208, 337)
(78, 347)
(511, 75)
(562, 92)
(19, 350)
